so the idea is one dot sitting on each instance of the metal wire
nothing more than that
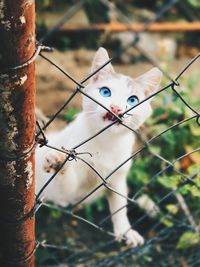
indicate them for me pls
(145, 146)
(72, 154)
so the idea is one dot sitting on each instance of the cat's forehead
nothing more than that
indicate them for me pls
(116, 81)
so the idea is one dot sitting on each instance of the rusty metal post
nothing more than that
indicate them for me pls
(17, 98)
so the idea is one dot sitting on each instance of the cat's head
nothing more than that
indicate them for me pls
(118, 93)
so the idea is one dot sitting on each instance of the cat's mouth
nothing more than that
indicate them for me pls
(108, 116)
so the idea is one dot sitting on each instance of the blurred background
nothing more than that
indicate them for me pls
(139, 34)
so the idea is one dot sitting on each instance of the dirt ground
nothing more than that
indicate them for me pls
(53, 88)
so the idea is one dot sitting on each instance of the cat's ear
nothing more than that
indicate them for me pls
(150, 81)
(100, 58)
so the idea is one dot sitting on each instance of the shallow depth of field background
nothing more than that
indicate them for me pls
(74, 52)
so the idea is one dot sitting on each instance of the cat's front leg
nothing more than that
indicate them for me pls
(53, 161)
(121, 224)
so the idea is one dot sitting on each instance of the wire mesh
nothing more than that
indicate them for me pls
(159, 236)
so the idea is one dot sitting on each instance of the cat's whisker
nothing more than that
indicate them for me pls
(127, 115)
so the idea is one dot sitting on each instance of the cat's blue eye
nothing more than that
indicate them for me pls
(133, 100)
(105, 91)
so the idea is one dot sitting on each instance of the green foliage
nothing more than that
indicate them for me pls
(88, 212)
(138, 174)
(70, 114)
(55, 214)
(194, 3)
(187, 240)
(166, 222)
(193, 80)
(172, 208)
(170, 182)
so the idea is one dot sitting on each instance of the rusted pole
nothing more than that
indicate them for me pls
(115, 26)
(17, 98)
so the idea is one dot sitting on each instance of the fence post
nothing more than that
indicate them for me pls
(17, 100)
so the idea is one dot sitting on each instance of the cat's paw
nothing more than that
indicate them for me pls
(53, 161)
(132, 238)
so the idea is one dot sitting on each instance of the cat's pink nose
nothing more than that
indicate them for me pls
(115, 109)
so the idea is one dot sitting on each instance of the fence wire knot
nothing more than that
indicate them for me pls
(42, 141)
(73, 155)
(175, 83)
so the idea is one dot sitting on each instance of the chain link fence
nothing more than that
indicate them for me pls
(162, 231)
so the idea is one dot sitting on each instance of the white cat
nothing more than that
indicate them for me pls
(118, 93)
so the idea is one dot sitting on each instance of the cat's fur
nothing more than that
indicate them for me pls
(108, 150)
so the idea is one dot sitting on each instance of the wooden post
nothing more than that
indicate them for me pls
(17, 131)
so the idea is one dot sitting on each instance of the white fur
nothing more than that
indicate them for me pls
(108, 150)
